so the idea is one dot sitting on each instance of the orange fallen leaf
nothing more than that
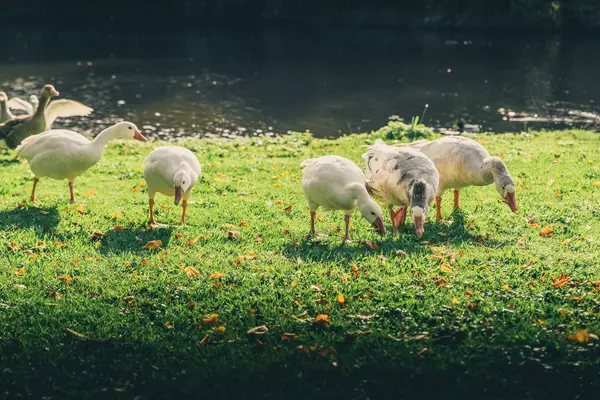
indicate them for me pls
(278, 201)
(98, 235)
(219, 329)
(341, 299)
(90, 193)
(211, 319)
(581, 336)
(322, 318)
(117, 228)
(216, 275)
(80, 209)
(547, 231)
(168, 325)
(65, 278)
(355, 270)
(193, 241)
(178, 236)
(204, 340)
(561, 281)
(20, 271)
(286, 336)
(153, 244)
(371, 245)
(191, 271)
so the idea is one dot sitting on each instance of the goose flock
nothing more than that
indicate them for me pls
(405, 176)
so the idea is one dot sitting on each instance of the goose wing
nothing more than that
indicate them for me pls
(64, 108)
(19, 104)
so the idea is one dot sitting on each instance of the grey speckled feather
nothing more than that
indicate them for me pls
(400, 175)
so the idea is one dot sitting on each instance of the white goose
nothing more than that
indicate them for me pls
(336, 183)
(172, 171)
(5, 114)
(61, 108)
(63, 154)
(401, 177)
(463, 162)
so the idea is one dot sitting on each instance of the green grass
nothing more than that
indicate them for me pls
(490, 322)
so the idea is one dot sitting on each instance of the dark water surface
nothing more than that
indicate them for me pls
(226, 82)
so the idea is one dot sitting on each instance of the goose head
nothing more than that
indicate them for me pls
(127, 130)
(371, 211)
(35, 102)
(49, 91)
(420, 195)
(3, 99)
(506, 188)
(182, 180)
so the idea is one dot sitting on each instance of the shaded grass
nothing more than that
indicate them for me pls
(489, 322)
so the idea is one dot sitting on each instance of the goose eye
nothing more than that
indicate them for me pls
(130, 128)
(184, 182)
(372, 213)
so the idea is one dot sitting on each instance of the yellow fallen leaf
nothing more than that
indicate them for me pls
(90, 193)
(216, 275)
(219, 329)
(80, 209)
(341, 300)
(505, 287)
(294, 283)
(191, 271)
(355, 270)
(581, 336)
(322, 318)
(446, 268)
(20, 271)
(211, 319)
(65, 278)
(168, 325)
(454, 300)
(596, 184)
(153, 244)
(547, 231)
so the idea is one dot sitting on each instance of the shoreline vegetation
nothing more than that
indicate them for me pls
(240, 303)
(434, 14)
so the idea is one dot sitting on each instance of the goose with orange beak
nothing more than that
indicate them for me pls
(401, 177)
(463, 162)
(172, 171)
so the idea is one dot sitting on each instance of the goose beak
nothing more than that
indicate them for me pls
(178, 195)
(138, 136)
(419, 226)
(511, 200)
(54, 92)
(378, 225)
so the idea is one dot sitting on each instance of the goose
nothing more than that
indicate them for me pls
(172, 171)
(14, 131)
(336, 183)
(463, 162)
(403, 177)
(62, 154)
(62, 108)
(5, 114)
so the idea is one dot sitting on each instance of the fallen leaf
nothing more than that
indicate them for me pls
(81, 209)
(65, 278)
(440, 282)
(454, 300)
(178, 236)
(211, 319)
(322, 318)
(576, 298)
(243, 223)
(216, 275)
(341, 300)
(288, 209)
(191, 271)
(193, 241)
(128, 299)
(561, 281)
(191, 305)
(20, 271)
(97, 235)
(355, 270)
(596, 184)
(168, 325)
(371, 245)
(505, 287)
(219, 329)
(117, 228)
(204, 340)
(258, 330)
(547, 231)
(423, 351)
(581, 336)
(90, 193)
(232, 234)
(446, 268)
(278, 202)
(288, 336)
(153, 244)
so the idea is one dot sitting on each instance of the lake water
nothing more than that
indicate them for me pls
(218, 82)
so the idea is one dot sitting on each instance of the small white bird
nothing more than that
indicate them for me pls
(401, 177)
(336, 183)
(172, 171)
(463, 162)
(63, 154)
(61, 108)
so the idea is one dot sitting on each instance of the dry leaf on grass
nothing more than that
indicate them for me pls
(322, 319)
(547, 231)
(232, 234)
(65, 278)
(191, 271)
(370, 244)
(219, 329)
(561, 281)
(258, 330)
(341, 299)
(581, 336)
(90, 193)
(153, 244)
(20, 271)
(216, 275)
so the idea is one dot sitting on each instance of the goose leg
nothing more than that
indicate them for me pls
(347, 220)
(35, 182)
(312, 223)
(153, 223)
(456, 202)
(400, 216)
(438, 207)
(72, 201)
(393, 219)
(184, 207)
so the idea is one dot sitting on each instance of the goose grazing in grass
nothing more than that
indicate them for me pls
(14, 131)
(63, 154)
(172, 171)
(336, 183)
(463, 162)
(5, 114)
(401, 177)
(61, 108)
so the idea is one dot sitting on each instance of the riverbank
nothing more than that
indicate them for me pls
(487, 302)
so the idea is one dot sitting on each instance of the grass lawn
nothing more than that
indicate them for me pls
(486, 303)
